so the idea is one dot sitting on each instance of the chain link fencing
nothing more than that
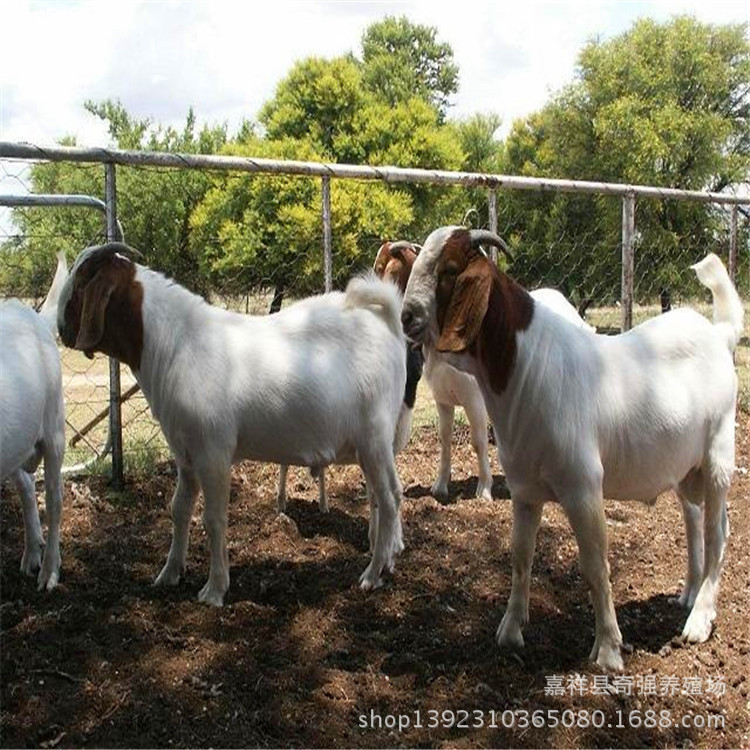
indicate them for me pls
(205, 220)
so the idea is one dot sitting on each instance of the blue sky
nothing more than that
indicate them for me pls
(225, 58)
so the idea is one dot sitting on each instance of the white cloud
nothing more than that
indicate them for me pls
(226, 58)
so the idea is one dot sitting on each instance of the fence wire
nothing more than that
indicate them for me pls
(253, 243)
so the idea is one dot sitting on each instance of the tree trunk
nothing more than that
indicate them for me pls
(278, 298)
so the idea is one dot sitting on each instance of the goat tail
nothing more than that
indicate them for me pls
(381, 297)
(728, 310)
(48, 311)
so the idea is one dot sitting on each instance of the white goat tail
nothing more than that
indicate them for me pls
(48, 313)
(370, 292)
(728, 310)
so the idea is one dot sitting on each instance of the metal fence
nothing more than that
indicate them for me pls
(498, 200)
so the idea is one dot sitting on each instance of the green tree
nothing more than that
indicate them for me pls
(266, 232)
(316, 101)
(322, 103)
(482, 151)
(477, 137)
(402, 60)
(27, 260)
(662, 104)
(154, 206)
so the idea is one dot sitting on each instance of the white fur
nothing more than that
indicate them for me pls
(32, 422)
(321, 380)
(557, 302)
(627, 417)
(451, 387)
(400, 439)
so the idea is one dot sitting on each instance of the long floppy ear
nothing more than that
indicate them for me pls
(467, 307)
(95, 300)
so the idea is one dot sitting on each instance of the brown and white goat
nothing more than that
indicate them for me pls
(580, 417)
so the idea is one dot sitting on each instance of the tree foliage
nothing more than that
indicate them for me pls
(260, 231)
(153, 206)
(662, 104)
(402, 60)
(316, 102)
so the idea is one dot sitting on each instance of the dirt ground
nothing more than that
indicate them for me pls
(298, 654)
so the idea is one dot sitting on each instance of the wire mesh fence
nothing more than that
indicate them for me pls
(253, 242)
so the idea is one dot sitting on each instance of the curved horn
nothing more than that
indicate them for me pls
(402, 245)
(102, 252)
(119, 247)
(469, 212)
(485, 237)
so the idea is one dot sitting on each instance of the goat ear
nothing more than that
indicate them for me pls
(466, 308)
(96, 296)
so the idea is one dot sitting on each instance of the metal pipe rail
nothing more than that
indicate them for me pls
(51, 199)
(110, 158)
(387, 174)
(38, 200)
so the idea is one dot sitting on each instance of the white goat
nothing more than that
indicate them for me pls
(401, 438)
(414, 365)
(451, 387)
(580, 417)
(32, 422)
(320, 380)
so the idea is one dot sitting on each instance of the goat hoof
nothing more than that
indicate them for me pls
(609, 658)
(484, 493)
(47, 580)
(169, 576)
(439, 490)
(369, 584)
(370, 580)
(31, 561)
(698, 627)
(509, 634)
(209, 594)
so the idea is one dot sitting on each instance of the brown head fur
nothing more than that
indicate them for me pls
(479, 309)
(104, 312)
(395, 264)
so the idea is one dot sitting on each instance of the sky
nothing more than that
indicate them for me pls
(224, 58)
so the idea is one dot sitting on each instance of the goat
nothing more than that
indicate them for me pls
(414, 365)
(451, 387)
(320, 380)
(579, 417)
(32, 422)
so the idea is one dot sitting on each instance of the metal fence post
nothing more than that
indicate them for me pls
(492, 201)
(733, 244)
(115, 416)
(327, 238)
(628, 261)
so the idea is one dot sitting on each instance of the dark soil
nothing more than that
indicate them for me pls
(298, 654)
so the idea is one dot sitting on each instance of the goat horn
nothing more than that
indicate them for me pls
(485, 237)
(119, 247)
(403, 245)
(102, 252)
